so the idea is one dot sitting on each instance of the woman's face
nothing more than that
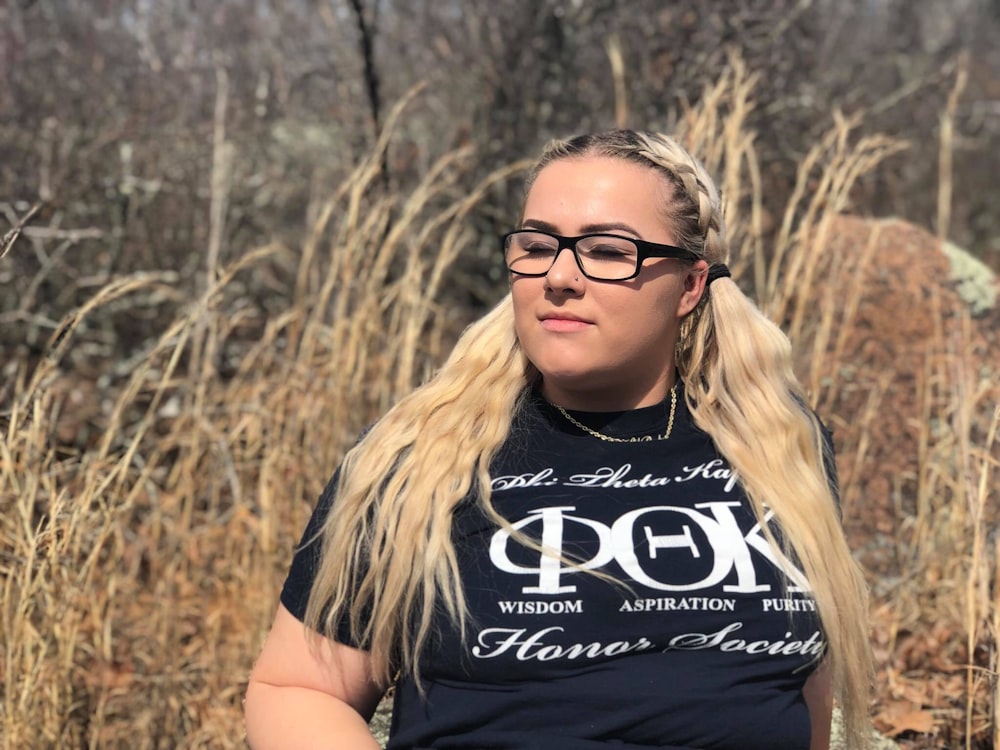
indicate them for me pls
(603, 345)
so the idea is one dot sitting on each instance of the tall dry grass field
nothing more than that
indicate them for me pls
(140, 575)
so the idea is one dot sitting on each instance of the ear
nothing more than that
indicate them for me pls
(694, 288)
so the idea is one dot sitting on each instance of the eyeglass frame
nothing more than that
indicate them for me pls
(644, 249)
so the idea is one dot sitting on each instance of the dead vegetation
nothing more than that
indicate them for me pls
(150, 505)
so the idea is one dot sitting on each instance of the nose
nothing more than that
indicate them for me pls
(565, 271)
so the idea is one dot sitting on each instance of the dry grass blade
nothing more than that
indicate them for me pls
(716, 131)
(946, 149)
(10, 237)
(977, 602)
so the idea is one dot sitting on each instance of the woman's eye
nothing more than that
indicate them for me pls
(607, 250)
(537, 247)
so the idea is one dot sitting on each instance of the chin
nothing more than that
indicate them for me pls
(573, 378)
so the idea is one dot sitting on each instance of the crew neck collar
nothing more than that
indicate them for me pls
(625, 424)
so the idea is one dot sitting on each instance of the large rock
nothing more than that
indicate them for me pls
(903, 357)
(914, 334)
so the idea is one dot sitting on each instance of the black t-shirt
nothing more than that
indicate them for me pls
(695, 638)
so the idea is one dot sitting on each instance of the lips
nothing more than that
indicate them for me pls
(562, 322)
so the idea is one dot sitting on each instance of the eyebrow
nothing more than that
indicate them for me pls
(610, 226)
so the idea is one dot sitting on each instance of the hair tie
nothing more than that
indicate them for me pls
(718, 271)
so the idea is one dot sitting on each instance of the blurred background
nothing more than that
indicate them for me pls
(233, 232)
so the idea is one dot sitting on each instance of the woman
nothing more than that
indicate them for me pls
(608, 519)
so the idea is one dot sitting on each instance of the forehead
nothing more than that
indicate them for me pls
(586, 190)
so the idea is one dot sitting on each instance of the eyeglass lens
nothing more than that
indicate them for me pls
(599, 256)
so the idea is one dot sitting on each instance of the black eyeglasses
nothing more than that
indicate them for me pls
(601, 257)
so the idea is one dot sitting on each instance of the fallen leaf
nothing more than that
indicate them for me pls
(903, 716)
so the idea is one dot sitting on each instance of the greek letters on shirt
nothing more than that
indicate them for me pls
(704, 536)
(727, 545)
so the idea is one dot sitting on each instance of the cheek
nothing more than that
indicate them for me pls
(521, 301)
(650, 318)
(519, 297)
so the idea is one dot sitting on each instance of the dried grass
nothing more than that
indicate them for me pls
(139, 576)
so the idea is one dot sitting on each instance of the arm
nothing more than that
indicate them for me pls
(818, 694)
(303, 700)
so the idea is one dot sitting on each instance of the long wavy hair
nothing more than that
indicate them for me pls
(389, 564)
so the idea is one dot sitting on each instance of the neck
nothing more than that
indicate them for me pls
(608, 399)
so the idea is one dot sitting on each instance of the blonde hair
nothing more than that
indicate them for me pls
(389, 563)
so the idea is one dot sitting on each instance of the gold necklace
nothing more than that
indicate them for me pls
(638, 439)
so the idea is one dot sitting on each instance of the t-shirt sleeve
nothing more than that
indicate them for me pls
(305, 563)
(308, 555)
